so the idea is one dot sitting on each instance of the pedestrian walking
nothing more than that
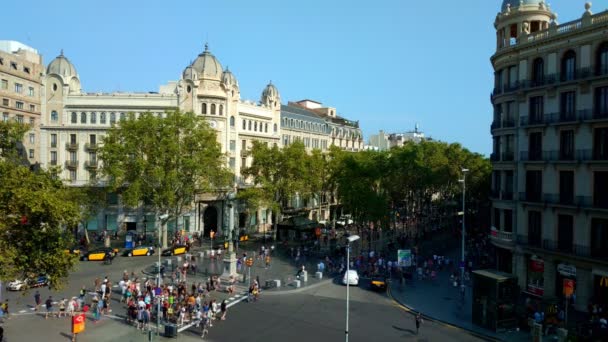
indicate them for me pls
(49, 307)
(418, 322)
(37, 300)
(223, 308)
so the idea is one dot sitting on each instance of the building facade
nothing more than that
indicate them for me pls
(378, 142)
(74, 123)
(21, 69)
(550, 150)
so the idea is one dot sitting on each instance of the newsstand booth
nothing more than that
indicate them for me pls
(494, 298)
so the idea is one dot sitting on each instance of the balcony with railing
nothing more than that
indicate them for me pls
(501, 236)
(71, 146)
(54, 162)
(533, 197)
(71, 164)
(527, 156)
(508, 156)
(534, 120)
(91, 164)
(533, 241)
(91, 146)
(495, 157)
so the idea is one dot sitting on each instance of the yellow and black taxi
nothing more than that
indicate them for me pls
(138, 251)
(99, 254)
(72, 250)
(378, 283)
(175, 250)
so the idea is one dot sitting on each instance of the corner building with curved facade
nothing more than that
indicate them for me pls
(74, 123)
(550, 151)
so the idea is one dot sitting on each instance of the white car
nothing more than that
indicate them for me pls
(16, 285)
(352, 277)
(345, 220)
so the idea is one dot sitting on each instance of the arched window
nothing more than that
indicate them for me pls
(266, 127)
(221, 110)
(204, 109)
(213, 109)
(83, 117)
(275, 127)
(244, 124)
(122, 116)
(74, 117)
(102, 118)
(232, 121)
(601, 65)
(93, 117)
(255, 126)
(54, 116)
(249, 125)
(538, 72)
(568, 66)
(112, 118)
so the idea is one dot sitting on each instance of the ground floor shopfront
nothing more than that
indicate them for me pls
(545, 275)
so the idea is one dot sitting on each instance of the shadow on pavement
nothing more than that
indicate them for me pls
(404, 330)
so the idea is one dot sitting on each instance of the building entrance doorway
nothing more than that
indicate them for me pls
(210, 220)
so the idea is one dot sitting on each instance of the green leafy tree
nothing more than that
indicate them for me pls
(278, 175)
(35, 210)
(163, 162)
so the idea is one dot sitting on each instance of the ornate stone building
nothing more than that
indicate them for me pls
(550, 150)
(20, 83)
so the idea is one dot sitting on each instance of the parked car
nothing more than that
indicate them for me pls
(344, 220)
(175, 250)
(352, 277)
(99, 254)
(138, 251)
(72, 250)
(20, 285)
(378, 283)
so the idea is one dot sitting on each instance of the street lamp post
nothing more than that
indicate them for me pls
(464, 190)
(158, 298)
(350, 239)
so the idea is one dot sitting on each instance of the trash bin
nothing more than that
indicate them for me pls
(170, 330)
(129, 241)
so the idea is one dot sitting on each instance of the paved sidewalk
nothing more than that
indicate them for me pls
(439, 300)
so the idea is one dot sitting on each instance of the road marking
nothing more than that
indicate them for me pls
(22, 311)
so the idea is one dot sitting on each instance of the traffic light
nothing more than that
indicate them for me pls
(249, 262)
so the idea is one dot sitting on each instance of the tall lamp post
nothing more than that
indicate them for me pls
(350, 239)
(159, 298)
(464, 190)
(145, 229)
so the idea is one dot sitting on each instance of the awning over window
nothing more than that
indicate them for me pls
(111, 222)
(92, 223)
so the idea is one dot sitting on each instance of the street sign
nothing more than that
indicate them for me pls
(404, 257)
(568, 287)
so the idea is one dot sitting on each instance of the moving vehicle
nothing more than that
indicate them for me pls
(352, 277)
(72, 250)
(20, 285)
(138, 251)
(175, 250)
(378, 283)
(344, 220)
(99, 254)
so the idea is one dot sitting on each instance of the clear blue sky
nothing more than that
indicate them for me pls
(389, 63)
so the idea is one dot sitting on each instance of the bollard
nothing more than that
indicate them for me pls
(297, 283)
(305, 276)
(319, 275)
(277, 283)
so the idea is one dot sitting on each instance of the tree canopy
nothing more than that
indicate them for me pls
(163, 162)
(35, 211)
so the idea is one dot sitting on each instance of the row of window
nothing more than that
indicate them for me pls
(564, 232)
(212, 109)
(18, 105)
(568, 69)
(308, 142)
(92, 117)
(19, 118)
(14, 66)
(18, 87)
(255, 126)
(301, 124)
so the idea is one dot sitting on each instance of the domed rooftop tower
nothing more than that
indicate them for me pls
(270, 96)
(65, 70)
(521, 17)
(207, 66)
